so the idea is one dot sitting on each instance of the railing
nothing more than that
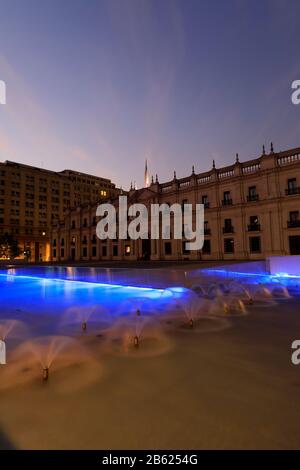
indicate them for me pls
(250, 168)
(286, 160)
(252, 197)
(184, 184)
(165, 189)
(254, 228)
(293, 223)
(203, 179)
(228, 229)
(227, 202)
(226, 174)
(292, 190)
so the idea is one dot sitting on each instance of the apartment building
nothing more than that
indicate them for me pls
(252, 210)
(32, 199)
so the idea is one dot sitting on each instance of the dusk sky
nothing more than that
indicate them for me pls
(98, 86)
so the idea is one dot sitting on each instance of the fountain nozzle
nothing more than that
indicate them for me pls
(46, 373)
(83, 326)
(136, 341)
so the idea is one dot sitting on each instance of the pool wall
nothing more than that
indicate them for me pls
(156, 278)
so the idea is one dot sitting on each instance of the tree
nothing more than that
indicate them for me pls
(9, 247)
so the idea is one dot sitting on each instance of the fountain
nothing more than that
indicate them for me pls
(12, 329)
(199, 290)
(46, 349)
(241, 291)
(261, 294)
(83, 315)
(137, 329)
(280, 292)
(138, 317)
(214, 290)
(228, 306)
(188, 302)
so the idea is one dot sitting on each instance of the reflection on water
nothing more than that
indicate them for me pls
(53, 297)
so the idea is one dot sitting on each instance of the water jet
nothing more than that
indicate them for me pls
(45, 373)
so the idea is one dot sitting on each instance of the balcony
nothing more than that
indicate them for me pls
(207, 231)
(292, 190)
(228, 229)
(254, 228)
(252, 197)
(293, 223)
(227, 202)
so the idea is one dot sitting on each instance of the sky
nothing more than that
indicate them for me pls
(100, 85)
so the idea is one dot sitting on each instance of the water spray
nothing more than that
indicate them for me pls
(136, 341)
(226, 308)
(45, 374)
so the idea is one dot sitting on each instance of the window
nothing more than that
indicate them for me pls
(115, 250)
(62, 252)
(168, 248)
(228, 228)
(54, 253)
(62, 242)
(294, 216)
(253, 219)
(252, 194)
(228, 245)
(206, 228)
(292, 187)
(185, 251)
(205, 201)
(73, 224)
(292, 183)
(127, 250)
(94, 251)
(294, 220)
(84, 252)
(54, 242)
(254, 244)
(206, 250)
(253, 226)
(104, 251)
(227, 201)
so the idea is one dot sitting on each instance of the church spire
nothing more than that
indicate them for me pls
(146, 176)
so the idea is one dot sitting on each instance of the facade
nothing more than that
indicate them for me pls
(32, 199)
(252, 210)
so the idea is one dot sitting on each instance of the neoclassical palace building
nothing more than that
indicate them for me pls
(251, 212)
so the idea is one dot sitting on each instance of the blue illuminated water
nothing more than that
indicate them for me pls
(25, 295)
